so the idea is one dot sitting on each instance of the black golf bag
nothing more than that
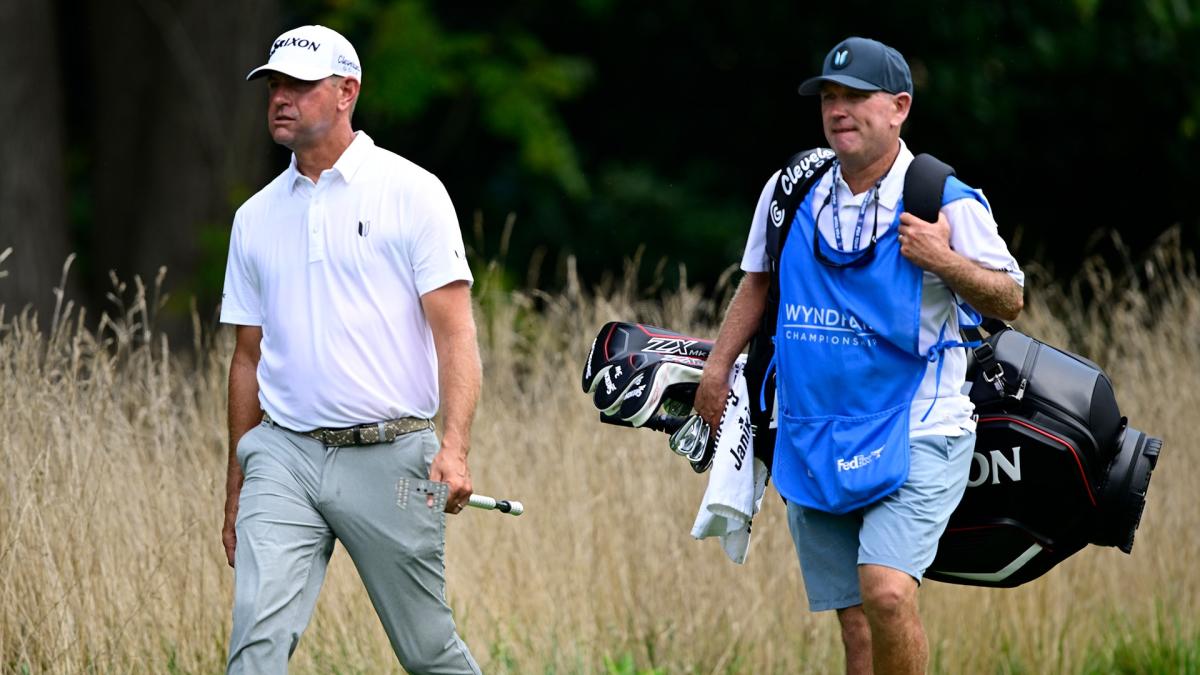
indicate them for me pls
(1055, 467)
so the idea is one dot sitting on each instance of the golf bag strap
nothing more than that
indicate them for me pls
(985, 355)
(795, 180)
(924, 183)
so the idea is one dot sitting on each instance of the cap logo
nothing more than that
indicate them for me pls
(303, 43)
(841, 58)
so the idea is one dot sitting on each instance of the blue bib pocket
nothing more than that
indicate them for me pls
(838, 464)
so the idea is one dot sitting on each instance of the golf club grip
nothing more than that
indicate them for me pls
(668, 424)
(502, 505)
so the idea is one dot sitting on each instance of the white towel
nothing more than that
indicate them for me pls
(737, 479)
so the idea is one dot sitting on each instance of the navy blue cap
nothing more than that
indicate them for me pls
(860, 63)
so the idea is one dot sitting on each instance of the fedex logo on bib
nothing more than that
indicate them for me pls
(859, 461)
(826, 325)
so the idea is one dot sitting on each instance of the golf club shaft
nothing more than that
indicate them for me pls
(511, 507)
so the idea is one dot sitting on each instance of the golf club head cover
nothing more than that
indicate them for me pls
(633, 368)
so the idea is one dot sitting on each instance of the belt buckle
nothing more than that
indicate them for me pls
(370, 434)
(361, 435)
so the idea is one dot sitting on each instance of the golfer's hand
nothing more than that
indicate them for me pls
(450, 467)
(924, 243)
(710, 396)
(228, 532)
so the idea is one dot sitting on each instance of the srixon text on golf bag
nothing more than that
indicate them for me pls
(1056, 466)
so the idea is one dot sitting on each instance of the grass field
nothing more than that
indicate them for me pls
(110, 509)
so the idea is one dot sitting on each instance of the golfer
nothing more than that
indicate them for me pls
(350, 292)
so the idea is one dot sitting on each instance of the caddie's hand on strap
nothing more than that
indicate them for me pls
(991, 292)
(924, 243)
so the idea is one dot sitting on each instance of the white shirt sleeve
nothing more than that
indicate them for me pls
(974, 235)
(435, 243)
(754, 259)
(240, 299)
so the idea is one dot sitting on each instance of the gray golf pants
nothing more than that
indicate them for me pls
(298, 496)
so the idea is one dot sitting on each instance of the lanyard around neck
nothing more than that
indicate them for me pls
(873, 193)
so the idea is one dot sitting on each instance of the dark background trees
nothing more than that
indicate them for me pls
(129, 137)
(33, 212)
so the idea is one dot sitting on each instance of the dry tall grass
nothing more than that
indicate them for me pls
(114, 451)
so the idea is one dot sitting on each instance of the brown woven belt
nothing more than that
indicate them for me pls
(366, 434)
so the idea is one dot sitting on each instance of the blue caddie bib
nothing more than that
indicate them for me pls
(848, 365)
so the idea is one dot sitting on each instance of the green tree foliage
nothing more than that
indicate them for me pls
(609, 126)
(508, 79)
(606, 125)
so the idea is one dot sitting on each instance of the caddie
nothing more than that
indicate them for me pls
(874, 435)
(350, 293)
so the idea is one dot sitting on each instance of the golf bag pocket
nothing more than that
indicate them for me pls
(1032, 501)
(838, 464)
(1028, 502)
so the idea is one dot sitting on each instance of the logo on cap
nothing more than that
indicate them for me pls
(303, 43)
(841, 58)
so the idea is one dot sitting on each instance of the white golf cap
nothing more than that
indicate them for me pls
(311, 53)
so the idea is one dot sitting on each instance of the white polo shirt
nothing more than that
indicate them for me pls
(334, 273)
(973, 235)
